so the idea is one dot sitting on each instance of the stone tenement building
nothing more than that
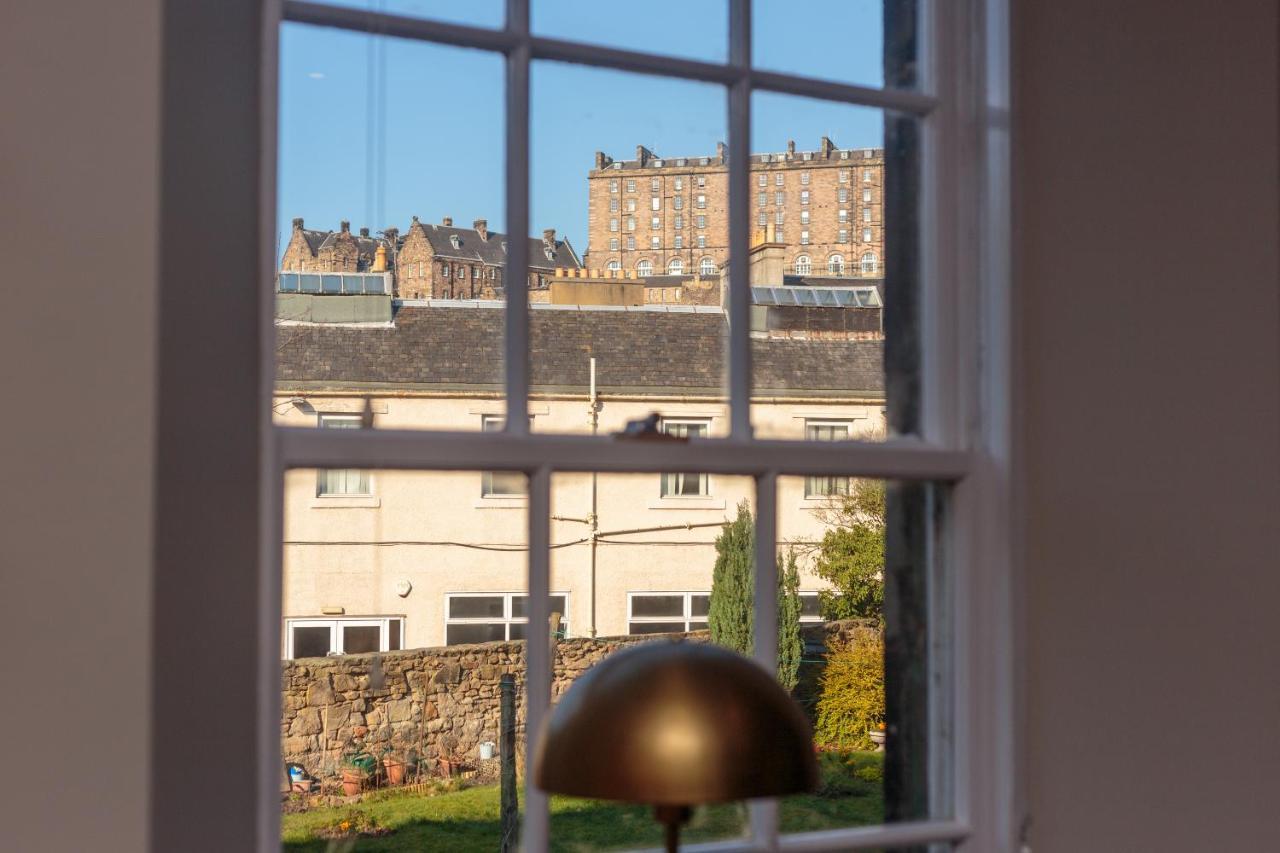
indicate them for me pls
(429, 261)
(656, 214)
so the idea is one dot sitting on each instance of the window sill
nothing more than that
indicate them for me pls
(687, 503)
(503, 502)
(346, 502)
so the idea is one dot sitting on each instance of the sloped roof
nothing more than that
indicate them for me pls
(637, 350)
(492, 251)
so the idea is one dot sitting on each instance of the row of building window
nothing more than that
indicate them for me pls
(762, 179)
(355, 482)
(655, 184)
(503, 616)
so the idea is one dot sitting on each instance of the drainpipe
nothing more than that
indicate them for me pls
(593, 412)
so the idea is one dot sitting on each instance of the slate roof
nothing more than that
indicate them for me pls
(491, 251)
(317, 240)
(637, 350)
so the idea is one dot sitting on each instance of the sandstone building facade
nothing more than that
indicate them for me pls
(428, 261)
(671, 215)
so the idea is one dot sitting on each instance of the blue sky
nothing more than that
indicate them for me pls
(377, 130)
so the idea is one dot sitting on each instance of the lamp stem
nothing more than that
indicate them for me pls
(671, 817)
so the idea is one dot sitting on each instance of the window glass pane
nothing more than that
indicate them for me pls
(834, 309)
(393, 635)
(401, 227)
(656, 627)
(702, 31)
(698, 604)
(459, 633)
(842, 40)
(864, 668)
(657, 605)
(475, 606)
(360, 639)
(310, 642)
(618, 135)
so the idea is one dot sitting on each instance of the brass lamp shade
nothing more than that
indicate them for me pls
(676, 724)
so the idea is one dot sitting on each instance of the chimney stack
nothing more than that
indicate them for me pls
(642, 155)
(791, 148)
(345, 225)
(364, 232)
(721, 152)
(297, 223)
(482, 228)
(448, 220)
(603, 160)
(825, 147)
(549, 237)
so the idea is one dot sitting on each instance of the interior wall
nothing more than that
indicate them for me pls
(79, 132)
(1146, 275)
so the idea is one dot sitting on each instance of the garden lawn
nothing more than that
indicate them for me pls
(467, 820)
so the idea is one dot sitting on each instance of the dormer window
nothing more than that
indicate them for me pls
(550, 253)
(504, 247)
(454, 241)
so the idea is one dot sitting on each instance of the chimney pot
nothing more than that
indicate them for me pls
(297, 223)
(364, 232)
(448, 220)
(720, 151)
(482, 227)
(791, 146)
(345, 225)
(549, 236)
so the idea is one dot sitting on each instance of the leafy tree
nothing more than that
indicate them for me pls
(730, 615)
(851, 553)
(851, 703)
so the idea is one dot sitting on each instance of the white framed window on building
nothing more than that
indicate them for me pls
(866, 214)
(835, 264)
(631, 243)
(804, 238)
(804, 179)
(810, 606)
(678, 241)
(804, 217)
(762, 199)
(655, 185)
(867, 175)
(762, 180)
(667, 612)
(866, 235)
(679, 184)
(843, 215)
(779, 199)
(655, 242)
(843, 176)
(342, 482)
(614, 265)
(778, 179)
(499, 484)
(655, 203)
(685, 485)
(631, 223)
(842, 195)
(804, 196)
(613, 185)
(613, 224)
(803, 264)
(702, 241)
(679, 223)
(307, 637)
(779, 217)
(631, 185)
(702, 202)
(842, 236)
(678, 202)
(706, 266)
(486, 617)
(870, 263)
(702, 179)
(762, 218)
(613, 205)
(702, 220)
(631, 205)
(866, 194)
(826, 485)
(675, 267)
(613, 242)
(644, 268)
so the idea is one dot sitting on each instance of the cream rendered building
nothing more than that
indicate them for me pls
(399, 559)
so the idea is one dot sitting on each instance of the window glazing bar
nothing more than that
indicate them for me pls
(516, 276)
(537, 805)
(764, 813)
(739, 312)
(398, 26)
(900, 458)
(881, 837)
(898, 100)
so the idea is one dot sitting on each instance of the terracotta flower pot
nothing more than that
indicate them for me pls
(395, 770)
(352, 782)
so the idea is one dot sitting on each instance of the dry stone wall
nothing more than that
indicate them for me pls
(421, 700)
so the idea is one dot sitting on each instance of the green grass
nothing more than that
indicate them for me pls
(467, 820)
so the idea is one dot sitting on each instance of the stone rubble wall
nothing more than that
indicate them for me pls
(432, 696)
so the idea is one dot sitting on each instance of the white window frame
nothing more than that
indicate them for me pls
(704, 478)
(507, 619)
(644, 268)
(335, 624)
(707, 266)
(841, 481)
(961, 101)
(323, 419)
(803, 264)
(686, 611)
